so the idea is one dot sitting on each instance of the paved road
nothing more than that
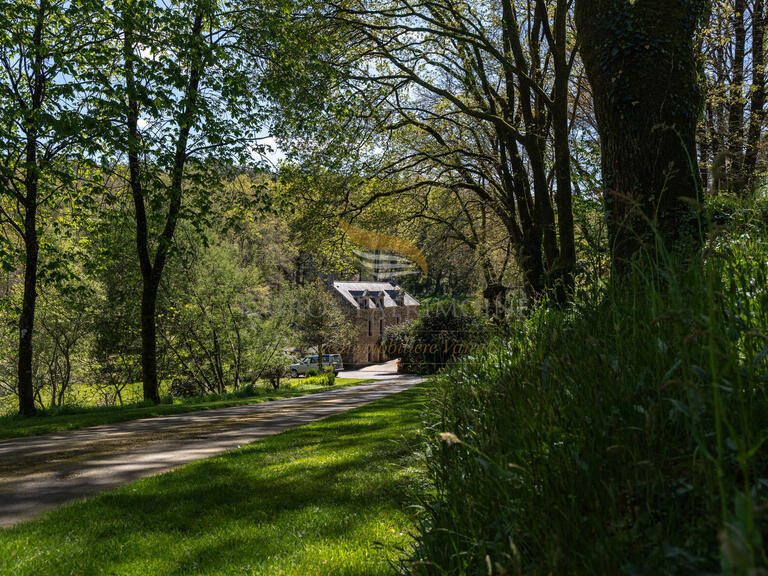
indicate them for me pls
(40, 473)
(382, 371)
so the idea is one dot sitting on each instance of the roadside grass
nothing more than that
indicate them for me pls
(75, 417)
(328, 498)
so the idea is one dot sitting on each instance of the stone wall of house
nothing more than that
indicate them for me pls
(371, 323)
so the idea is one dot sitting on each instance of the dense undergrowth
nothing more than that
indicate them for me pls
(625, 435)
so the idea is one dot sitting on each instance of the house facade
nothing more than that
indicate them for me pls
(372, 307)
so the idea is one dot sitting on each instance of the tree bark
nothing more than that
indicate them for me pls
(756, 113)
(642, 61)
(150, 383)
(149, 287)
(31, 241)
(564, 274)
(27, 319)
(152, 270)
(736, 108)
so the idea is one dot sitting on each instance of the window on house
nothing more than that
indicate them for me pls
(370, 327)
(381, 326)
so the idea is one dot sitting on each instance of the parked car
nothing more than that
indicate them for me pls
(311, 363)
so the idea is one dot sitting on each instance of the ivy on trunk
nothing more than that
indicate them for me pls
(642, 60)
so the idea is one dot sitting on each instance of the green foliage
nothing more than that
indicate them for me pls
(443, 332)
(730, 212)
(211, 325)
(276, 368)
(315, 377)
(183, 386)
(625, 435)
(319, 320)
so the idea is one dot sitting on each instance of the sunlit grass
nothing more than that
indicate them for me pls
(329, 498)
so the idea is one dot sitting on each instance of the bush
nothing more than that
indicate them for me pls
(246, 391)
(436, 338)
(330, 378)
(326, 379)
(619, 437)
(275, 369)
(184, 386)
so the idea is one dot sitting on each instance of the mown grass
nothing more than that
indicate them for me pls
(328, 498)
(75, 417)
(626, 435)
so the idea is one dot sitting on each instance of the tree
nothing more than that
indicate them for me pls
(275, 368)
(731, 133)
(642, 61)
(473, 98)
(43, 45)
(320, 321)
(214, 312)
(182, 91)
(63, 320)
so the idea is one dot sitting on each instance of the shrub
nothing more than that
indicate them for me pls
(436, 338)
(275, 369)
(246, 391)
(618, 437)
(326, 379)
(184, 386)
(330, 378)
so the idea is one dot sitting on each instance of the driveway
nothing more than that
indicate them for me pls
(382, 371)
(40, 473)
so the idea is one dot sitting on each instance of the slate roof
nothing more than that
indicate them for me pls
(362, 294)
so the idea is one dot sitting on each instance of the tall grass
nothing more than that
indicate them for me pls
(623, 436)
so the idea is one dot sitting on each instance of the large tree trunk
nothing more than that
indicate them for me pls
(642, 62)
(564, 277)
(532, 264)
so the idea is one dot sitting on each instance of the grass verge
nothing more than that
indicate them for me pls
(328, 498)
(72, 418)
(627, 434)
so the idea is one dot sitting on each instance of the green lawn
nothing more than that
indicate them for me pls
(71, 418)
(328, 498)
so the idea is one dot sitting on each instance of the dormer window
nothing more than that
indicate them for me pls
(362, 299)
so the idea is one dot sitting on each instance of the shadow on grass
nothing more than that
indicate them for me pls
(308, 501)
(77, 417)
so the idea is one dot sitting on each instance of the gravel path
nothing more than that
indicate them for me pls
(40, 473)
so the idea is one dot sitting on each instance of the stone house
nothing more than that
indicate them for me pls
(372, 307)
